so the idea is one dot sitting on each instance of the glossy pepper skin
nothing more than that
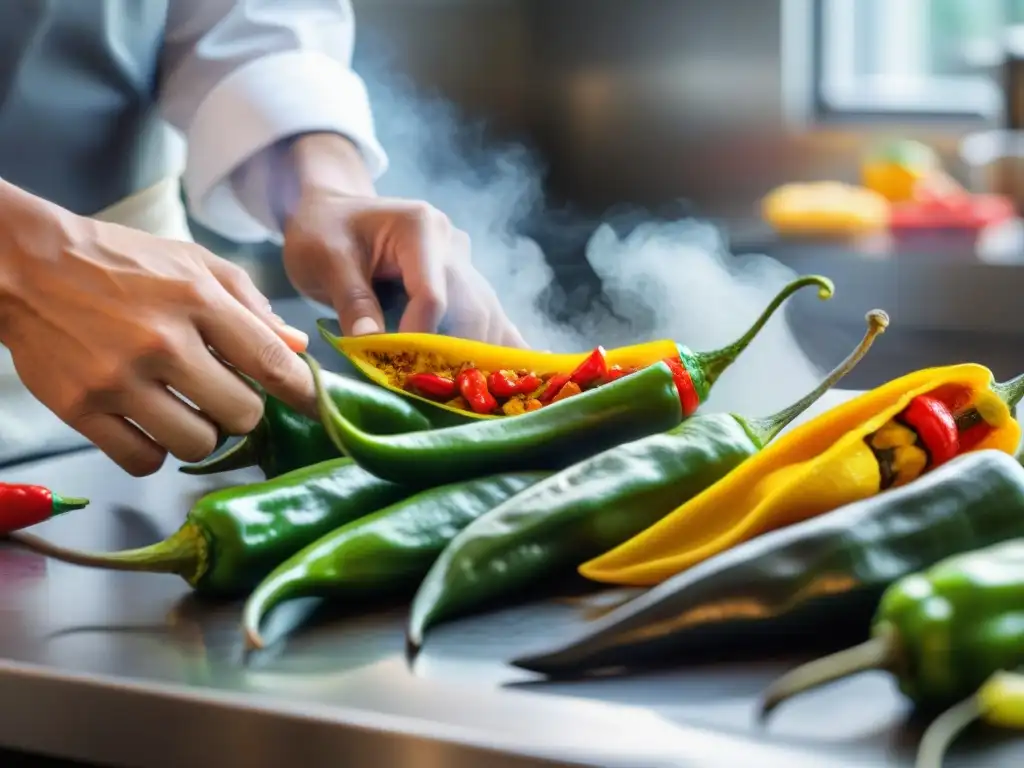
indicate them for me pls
(704, 368)
(232, 538)
(820, 466)
(822, 576)
(598, 503)
(553, 438)
(286, 440)
(383, 554)
(23, 505)
(942, 632)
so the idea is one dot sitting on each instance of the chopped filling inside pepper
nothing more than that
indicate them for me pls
(933, 429)
(502, 392)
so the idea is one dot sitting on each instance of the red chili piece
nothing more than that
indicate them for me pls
(687, 392)
(935, 426)
(528, 384)
(594, 368)
(432, 385)
(554, 386)
(25, 505)
(473, 385)
(503, 383)
(973, 435)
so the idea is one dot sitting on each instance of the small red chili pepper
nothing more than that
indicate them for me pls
(25, 505)
(554, 386)
(955, 396)
(432, 385)
(935, 426)
(973, 435)
(528, 384)
(687, 393)
(473, 385)
(503, 383)
(594, 368)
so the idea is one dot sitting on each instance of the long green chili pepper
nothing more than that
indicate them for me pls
(999, 702)
(941, 632)
(818, 579)
(598, 503)
(555, 437)
(383, 554)
(285, 440)
(232, 538)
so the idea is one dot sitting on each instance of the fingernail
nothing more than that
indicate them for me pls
(364, 326)
(296, 340)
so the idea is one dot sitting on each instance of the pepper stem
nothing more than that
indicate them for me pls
(880, 652)
(766, 429)
(185, 553)
(1010, 392)
(61, 504)
(247, 452)
(713, 364)
(943, 731)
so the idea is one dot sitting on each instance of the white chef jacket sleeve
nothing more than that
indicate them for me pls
(238, 76)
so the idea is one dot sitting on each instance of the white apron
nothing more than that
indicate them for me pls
(26, 425)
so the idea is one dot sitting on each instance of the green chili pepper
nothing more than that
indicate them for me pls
(232, 538)
(941, 632)
(554, 437)
(999, 702)
(820, 579)
(285, 440)
(599, 503)
(384, 554)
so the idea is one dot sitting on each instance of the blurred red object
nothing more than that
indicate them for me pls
(957, 210)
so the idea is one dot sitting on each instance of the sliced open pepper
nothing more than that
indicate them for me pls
(386, 358)
(818, 467)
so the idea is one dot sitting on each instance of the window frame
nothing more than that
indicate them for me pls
(825, 110)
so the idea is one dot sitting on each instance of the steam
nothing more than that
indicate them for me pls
(661, 280)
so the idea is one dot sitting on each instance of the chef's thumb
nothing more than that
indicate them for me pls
(353, 298)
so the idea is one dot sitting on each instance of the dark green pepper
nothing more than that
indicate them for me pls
(232, 538)
(557, 436)
(599, 503)
(285, 439)
(941, 632)
(383, 554)
(820, 577)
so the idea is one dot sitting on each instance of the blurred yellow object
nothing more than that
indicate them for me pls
(896, 169)
(825, 208)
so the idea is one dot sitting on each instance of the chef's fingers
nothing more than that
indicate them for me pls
(172, 423)
(424, 255)
(351, 292)
(239, 284)
(248, 344)
(122, 441)
(219, 393)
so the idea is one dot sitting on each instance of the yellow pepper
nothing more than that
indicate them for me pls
(825, 208)
(378, 356)
(895, 170)
(818, 467)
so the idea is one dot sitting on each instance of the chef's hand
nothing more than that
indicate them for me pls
(339, 235)
(103, 321)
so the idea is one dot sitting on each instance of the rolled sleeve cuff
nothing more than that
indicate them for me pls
(256, 106)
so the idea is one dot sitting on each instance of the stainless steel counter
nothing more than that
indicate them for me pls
(129, 670)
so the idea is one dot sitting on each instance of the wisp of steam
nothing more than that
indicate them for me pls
(662, 280)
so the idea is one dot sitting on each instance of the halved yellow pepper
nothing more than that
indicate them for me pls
(818, 467)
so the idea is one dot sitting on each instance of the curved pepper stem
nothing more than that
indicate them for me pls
(1010, 392)
(184, 553)
(713, 364)
(247, 452)
(766, 429)
(880, 652)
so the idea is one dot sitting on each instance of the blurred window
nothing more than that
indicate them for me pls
(912, 57)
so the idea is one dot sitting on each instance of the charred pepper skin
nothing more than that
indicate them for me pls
(555, 437)
(824, 575)
(384, 554)
(286, 440)
(232, 538)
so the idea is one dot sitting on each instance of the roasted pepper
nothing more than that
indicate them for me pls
(999, 702)
(851, 452)
(388, 359)
(819, 579)
(942, 632)
(22, 505)
(285, 439)
(383, 554)
(598, 503)
(234, 537)
(555, 437)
